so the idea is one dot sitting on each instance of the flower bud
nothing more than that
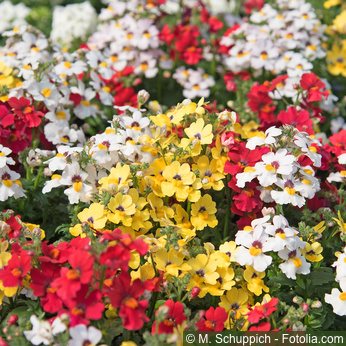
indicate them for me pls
(143, 97)
(305, 307)
(195, 292)
(12, 319)
(316, 304)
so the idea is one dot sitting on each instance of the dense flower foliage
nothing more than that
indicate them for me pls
(169, 166)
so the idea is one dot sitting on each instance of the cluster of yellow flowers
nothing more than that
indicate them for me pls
(336, 56)
(172, 198)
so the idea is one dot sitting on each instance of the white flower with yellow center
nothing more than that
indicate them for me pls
(282, 235)
(290, 193)
(295, 263)
(74, 177)
(273, 164)
(338, 300)
(252, 250)
(4, 159)
(269, 137)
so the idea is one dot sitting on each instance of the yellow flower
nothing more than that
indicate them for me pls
(208, 173)
(313, 252)
(170, 262)
(319, 228)
(33, 227)
(117, 180)
(122, 208)
(235, 302)
(339, 23)
(204, 267)
(203, 213)
(197, 134)
(336, 59)
(159, 211)
(178, 179)
(144, 272)
(77, 230)
(6, 79)
(254, 281)
(229, 249)
(95, 216)
(340, 222)
(153, 176)
(331, 3)
(247, 130)
(140, 220)
(128, 343)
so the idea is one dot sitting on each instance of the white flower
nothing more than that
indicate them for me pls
(74, 177)
(282, 234)
(10, 185)
(294, 263)
(290, 193)
(251, 252)
(267, 139)
(273, 164)
(4, 159)
(41, 332)
(83, 335)
(338, 300)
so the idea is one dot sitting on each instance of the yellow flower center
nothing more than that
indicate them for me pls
(46, 92)
(297, 262)
(67, 64)
(270, 168)
(342, 296)
(290, 190)
(313, 149)
(78, 186)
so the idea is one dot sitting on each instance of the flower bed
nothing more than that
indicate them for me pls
(171, 166)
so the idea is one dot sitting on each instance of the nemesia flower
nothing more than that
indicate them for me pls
(173, 316)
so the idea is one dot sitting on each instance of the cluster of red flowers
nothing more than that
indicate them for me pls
(310, 88)
(17, 119)
(185, 42)
(245, 201)
(74, 278)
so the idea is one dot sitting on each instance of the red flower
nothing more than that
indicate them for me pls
(85, 307)
(6, 117)
(41, 280)
(126, 296)
(262, 327)
(314, 86)
(262, 311)
(174, 316)
(71, 279)
(261, 103)
(250, 5)
(300, 119)
(19, 265)
(23, 109)
(212, 320)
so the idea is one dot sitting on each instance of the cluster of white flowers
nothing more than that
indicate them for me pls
(281, 177)
(196, 83)
(336, 298)
(122, 142)
(12, 15)
(51, 77)
(10, 185)
(127, 39)
(339, 176)
(281, 39)
(276, 235)
(71, 22)
(44, 332)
